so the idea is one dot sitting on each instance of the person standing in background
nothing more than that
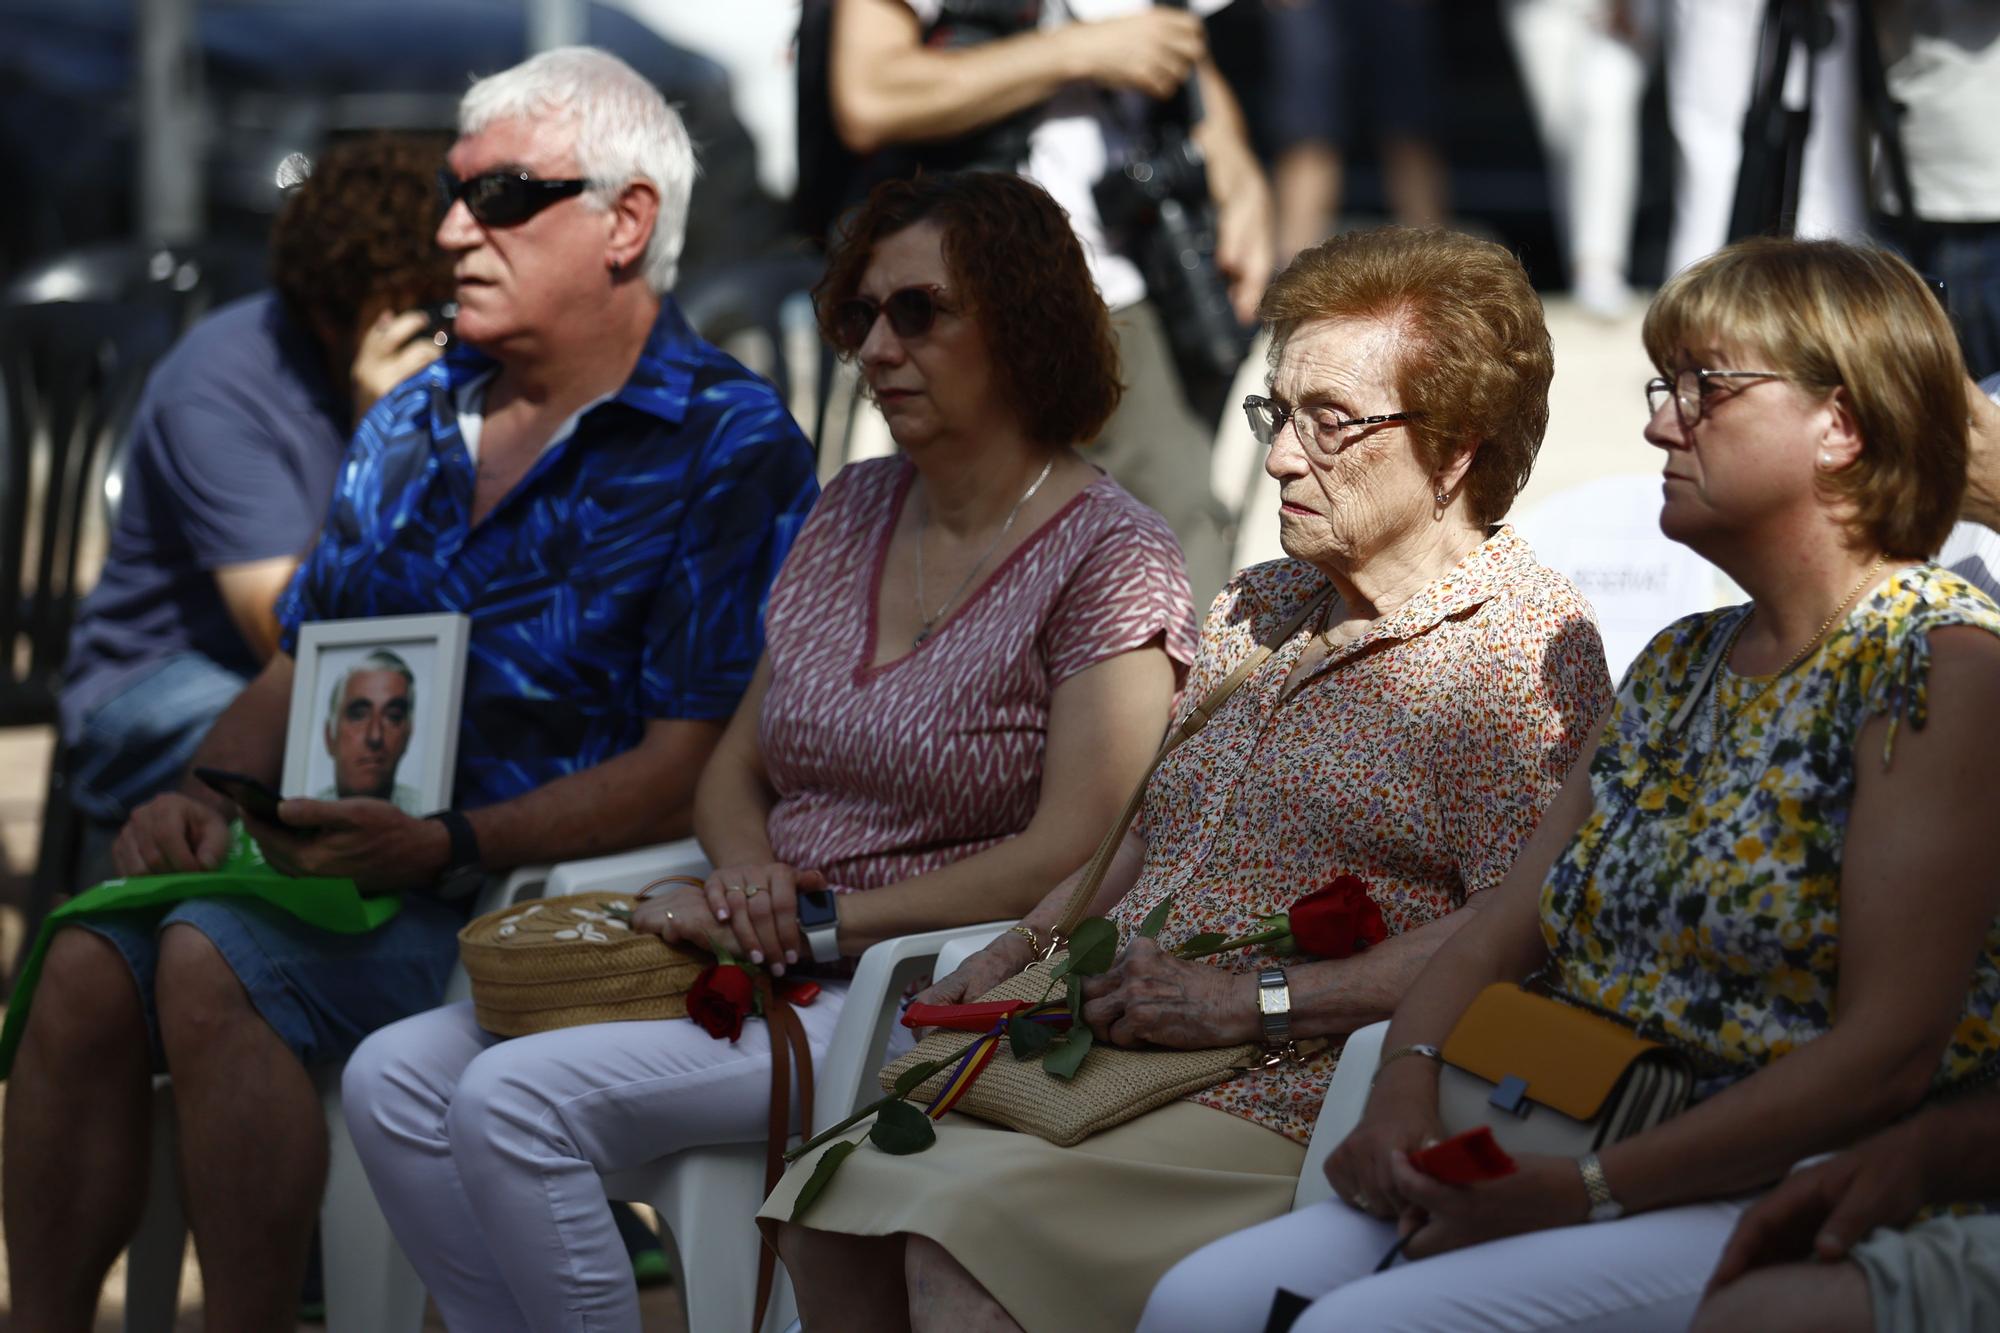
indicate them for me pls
(1584, 65)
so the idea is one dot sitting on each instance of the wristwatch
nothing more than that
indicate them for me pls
(1604, 1207)
(462, 873)
(1274, 1007)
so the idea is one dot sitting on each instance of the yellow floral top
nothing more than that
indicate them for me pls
(1701, 899)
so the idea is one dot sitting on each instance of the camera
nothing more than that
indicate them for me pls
(1160, 198)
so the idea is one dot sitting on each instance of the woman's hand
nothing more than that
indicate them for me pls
(1543, 1192)
(682, 916)
(1401, 1117)
(999, 960)
(1150, 997)
(759, 903)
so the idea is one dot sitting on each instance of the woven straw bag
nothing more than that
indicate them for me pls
(1112, 1085)
(563, 962)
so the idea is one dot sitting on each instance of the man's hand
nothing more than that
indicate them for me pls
(171, 833)
(390, 350)
(1823, 1210)
(1152, 52)
(1150, 997)
(363, 839)
(1982, 463)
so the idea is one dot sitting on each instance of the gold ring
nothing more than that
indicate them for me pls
(752, 890)
(1364, 1203)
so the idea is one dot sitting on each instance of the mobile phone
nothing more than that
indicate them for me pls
(816, 908)
(439, 318)
(252, 796)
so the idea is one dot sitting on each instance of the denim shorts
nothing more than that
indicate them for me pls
(320, 990)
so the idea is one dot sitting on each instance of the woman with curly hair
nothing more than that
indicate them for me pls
(969, 655)
(231, 461)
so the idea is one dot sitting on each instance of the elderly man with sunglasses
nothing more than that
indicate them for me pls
(607, 497)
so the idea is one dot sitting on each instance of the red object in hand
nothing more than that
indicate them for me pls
(1337, 921)
(1464, 1159)
(961, 1017)
(720, 999)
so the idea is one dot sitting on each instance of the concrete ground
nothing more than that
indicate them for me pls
(1596, 415)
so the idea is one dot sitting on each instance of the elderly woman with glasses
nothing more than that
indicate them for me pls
(969, 653)
(1769, 862)
(1436, 683)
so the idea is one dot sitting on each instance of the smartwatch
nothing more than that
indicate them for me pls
(462, 874)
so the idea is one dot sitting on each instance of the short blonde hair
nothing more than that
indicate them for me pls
(1475, 360)
(1829, 315)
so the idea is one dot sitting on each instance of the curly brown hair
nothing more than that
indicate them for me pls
(1476, 361)
(1019, 270)
(363, 227)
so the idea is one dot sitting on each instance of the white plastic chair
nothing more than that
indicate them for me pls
(1346, 1097)
(1605, 535)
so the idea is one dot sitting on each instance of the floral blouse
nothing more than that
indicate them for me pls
(1701, 899)
(1419, 757)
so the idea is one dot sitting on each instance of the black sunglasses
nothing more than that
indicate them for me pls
(504, 198)
(911, 311)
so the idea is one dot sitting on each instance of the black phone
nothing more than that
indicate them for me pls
(816, 908)
(251, 795)
(438, 321)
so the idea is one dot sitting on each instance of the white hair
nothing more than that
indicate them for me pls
(625, 131)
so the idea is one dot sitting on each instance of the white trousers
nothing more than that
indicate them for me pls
(1641, 1274)
(1585, 82)
(1711, 64)
(485, 1153)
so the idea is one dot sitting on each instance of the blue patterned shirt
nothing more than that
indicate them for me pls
(623, 579)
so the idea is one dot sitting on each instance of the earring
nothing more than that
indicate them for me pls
(1825, 461)
(1442, 499)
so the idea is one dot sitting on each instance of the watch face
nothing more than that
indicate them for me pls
(1274, 1000)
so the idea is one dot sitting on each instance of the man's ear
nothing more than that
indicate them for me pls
(633, 214)
(1840, 442)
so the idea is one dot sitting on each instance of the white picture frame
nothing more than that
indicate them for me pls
(364, 659)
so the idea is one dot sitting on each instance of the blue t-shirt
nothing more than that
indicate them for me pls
(622, 580)
(234, 447)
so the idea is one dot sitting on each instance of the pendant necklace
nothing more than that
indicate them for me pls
(928, 621)
(1719, 724)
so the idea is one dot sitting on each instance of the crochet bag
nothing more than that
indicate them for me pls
(563, 962)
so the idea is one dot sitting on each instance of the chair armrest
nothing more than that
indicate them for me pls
(970, 942)
(845, 1081)
(1346, 1098)
(629, 871)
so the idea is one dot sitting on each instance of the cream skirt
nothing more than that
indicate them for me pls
(1064, 1238)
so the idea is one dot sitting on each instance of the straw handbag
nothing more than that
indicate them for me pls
(1112, 1085)
(563, 962)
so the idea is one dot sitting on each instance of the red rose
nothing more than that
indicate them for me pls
(1338, 920)
(720, 999)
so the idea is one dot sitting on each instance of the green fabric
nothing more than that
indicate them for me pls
(330, 904)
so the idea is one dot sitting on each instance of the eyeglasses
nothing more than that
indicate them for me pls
(911, 311)
(1689, 391)
(504, 198)
(1268, 416)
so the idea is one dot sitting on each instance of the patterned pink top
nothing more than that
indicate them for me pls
(884, 773)
(1419, 757)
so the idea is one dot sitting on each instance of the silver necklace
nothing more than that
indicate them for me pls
(928, 620)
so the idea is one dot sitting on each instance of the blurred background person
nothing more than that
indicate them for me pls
(1336, 64)
(1713, 63)
(231, 462)
(370, 714)
(1943, 67)
(1062, 94)
(1583, 63)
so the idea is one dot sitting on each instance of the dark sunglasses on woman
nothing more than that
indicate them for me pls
(911, 311)
(504, 198)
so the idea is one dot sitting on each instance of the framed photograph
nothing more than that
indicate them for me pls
(375, 710)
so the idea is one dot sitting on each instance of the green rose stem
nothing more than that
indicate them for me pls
(911, 1078)
(1277, 931)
